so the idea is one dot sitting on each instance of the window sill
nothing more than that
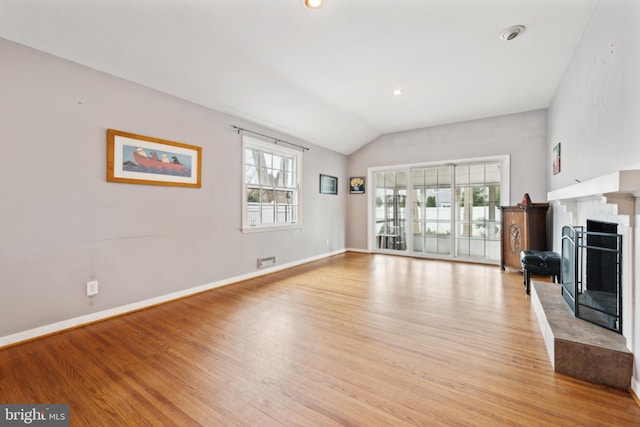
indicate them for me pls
(261, 228)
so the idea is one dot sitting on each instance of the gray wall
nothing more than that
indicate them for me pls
(522, 136)
(62, 223)
(595, 114)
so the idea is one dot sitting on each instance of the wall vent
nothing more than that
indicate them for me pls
(266, 262)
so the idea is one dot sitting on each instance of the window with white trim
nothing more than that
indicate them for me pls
(271, 190)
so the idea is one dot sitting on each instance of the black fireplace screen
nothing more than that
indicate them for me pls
(592, 272)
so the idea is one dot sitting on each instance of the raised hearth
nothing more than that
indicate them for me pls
(579, 348)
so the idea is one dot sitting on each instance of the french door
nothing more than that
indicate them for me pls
(431, 208)
(443, 211)
(390, 213)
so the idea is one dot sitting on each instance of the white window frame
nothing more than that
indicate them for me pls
(249, 141)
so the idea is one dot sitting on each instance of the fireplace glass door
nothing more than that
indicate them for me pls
(591, 273)
(569, 265)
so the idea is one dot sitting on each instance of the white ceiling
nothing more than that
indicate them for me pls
(325, 76)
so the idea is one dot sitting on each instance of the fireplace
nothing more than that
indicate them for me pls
(595, 352)
(592, 272)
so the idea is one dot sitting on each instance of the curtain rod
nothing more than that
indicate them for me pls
(275, 140)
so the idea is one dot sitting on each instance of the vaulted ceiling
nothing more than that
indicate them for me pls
(325, 76)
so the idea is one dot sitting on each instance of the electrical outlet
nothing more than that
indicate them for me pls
(92, 288)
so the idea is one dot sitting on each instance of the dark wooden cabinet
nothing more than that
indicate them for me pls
(523, 228)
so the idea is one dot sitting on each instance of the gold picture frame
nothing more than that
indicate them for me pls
(138, 159)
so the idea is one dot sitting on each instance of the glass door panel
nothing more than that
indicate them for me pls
(390, 210)
(431, 209)
(477, 199)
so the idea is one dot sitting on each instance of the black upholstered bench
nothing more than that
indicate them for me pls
(544, 263)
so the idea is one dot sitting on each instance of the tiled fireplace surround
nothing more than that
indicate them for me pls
(577, 347)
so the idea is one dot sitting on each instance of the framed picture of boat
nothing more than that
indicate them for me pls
(138, 159)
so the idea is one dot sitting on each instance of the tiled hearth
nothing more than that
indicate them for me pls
(577, 347)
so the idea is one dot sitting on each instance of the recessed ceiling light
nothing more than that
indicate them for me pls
(512, 32)
(313, 4)
(397, 92)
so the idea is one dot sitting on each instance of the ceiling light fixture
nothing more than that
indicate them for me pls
(512, 32)
(397, 92)
(313, 4)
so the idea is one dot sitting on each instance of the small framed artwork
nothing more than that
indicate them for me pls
(328, 184)
(137, 159)
(556, 159)
(356, 185)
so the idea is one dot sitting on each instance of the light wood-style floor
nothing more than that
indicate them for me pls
(354, 339)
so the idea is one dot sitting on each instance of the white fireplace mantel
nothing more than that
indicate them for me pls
(624, 182)
(611, 198)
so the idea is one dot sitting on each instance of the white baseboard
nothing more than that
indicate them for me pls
(635, 389)
(364, 251)
(128, 308)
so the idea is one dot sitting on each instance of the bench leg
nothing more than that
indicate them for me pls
(527, 280)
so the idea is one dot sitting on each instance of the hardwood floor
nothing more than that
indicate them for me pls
(354, 339)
